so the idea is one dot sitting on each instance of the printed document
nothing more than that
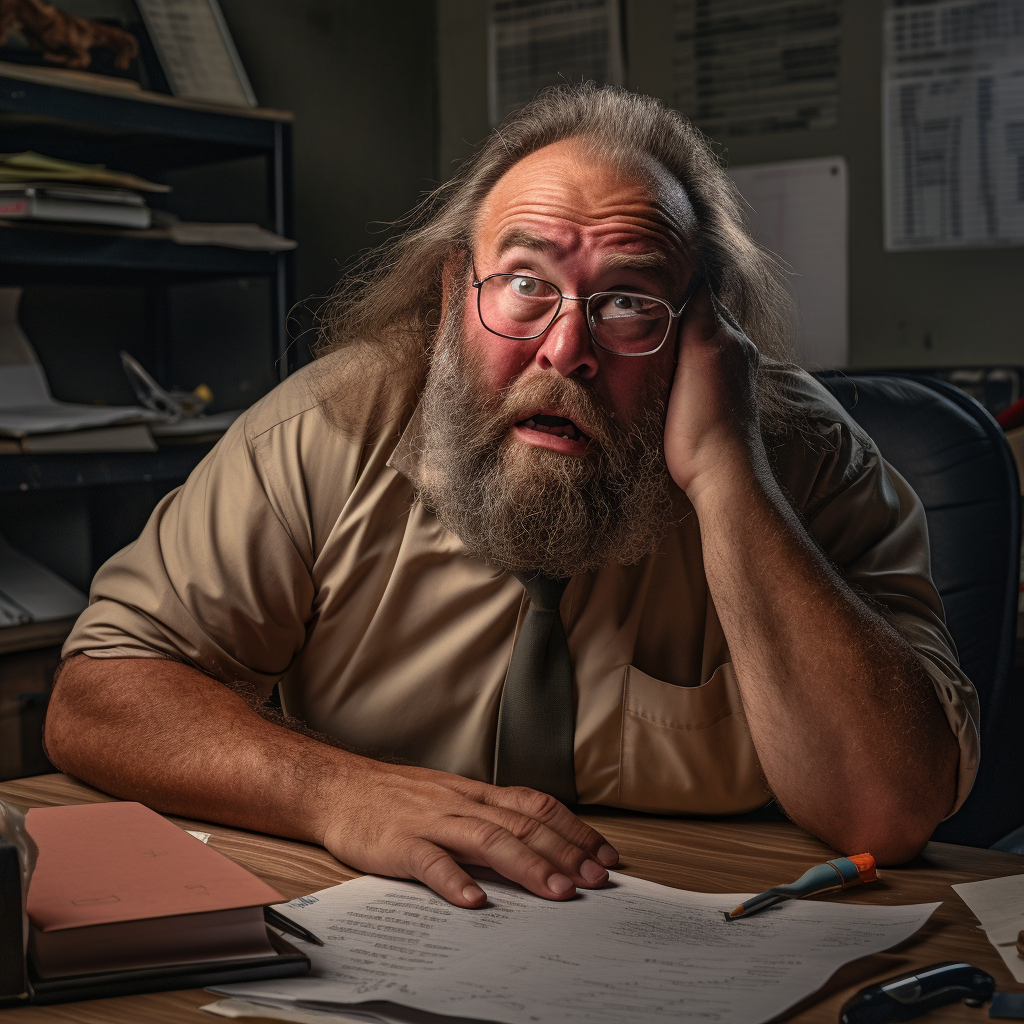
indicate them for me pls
(633, 951)
(998, 903)
(953, 112)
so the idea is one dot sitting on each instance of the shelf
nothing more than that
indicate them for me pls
(41, 92)
(50, 253)
(54, 472)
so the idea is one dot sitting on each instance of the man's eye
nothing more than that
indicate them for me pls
(525, 285)
(627, 302)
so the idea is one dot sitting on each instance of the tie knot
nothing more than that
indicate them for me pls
(544, 592)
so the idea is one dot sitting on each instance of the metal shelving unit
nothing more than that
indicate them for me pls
(147, 134)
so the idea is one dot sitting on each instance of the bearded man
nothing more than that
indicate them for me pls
(567, 376)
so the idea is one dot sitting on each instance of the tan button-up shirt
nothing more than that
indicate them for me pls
(295, 554)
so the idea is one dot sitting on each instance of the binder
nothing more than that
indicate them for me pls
(20, 985)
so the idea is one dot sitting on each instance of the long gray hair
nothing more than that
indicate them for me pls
(389, 302)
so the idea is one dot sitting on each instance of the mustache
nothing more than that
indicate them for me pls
(574, 400)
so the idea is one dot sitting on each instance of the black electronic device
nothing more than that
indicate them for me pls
(909, 995)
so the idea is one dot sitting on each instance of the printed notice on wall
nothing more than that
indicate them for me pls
(535, 43)
(755, 67)
(799, 213)
(953, 117)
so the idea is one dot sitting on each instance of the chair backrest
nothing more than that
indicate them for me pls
(955, 456)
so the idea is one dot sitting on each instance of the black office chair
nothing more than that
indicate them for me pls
(955, 456)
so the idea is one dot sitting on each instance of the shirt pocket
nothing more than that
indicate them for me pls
(687, 749)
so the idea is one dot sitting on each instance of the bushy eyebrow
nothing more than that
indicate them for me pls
(652, 260)
(517, 238)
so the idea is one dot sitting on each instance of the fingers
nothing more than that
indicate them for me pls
(545, 809)
(557, 818)
(701, 316)
(478, 841)
(707, 314)
(439, 820)
(435, 868)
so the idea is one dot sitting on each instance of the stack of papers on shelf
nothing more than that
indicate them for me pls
(231, 236)
(81, 204)
(29, 166)
(633, 951)
(34, 421)
(34, 187)
(37, 187)
(37, 607)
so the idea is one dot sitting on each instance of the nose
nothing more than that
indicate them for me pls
(566, 346)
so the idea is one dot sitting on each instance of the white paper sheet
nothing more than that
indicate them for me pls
(800, 215)
(634, 951)
(998, 903)
(29, 592)
(26, 405)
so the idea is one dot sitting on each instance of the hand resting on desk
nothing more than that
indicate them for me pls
(173, 738)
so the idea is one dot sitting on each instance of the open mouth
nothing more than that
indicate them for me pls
(559, 426)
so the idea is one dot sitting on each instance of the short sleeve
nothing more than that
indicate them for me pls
(220, 576)
(871, 524)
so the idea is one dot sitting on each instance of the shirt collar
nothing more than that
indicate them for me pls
(407, 458)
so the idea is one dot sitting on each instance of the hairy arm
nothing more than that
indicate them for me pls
(850, 734)
(173, 738)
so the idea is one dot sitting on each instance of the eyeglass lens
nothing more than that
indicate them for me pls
(524, 307)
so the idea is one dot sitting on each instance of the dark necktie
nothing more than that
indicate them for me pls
(536, 722)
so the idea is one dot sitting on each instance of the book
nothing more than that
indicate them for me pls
(117, 887)
(62, 190)
(22, 982)
(30, 205)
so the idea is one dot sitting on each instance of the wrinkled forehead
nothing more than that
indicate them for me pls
(575, 186)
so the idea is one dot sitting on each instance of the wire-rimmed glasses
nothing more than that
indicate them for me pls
(523, 307)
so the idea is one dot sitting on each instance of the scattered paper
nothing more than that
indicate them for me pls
(29, 592)
(31, 166)
(243, 1008)
(203, 837)
(231, 236)
(26, 405)
(998, 903)
(633, 951)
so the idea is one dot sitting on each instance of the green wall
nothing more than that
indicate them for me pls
(360, 80)
(906, 309)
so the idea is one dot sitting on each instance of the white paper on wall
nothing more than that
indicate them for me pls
(953, 123)
(800, 213)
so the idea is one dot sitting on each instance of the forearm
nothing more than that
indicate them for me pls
(173, 738)
(850, 734)
(169, 736)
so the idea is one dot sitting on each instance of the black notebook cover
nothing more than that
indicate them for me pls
(288, 962)
(13, 991)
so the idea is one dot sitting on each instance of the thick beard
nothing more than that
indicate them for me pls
(524, 508)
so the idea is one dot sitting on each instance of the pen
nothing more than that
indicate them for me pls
(286, 924)
(833, 875)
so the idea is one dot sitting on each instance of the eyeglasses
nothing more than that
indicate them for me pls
(626, 323)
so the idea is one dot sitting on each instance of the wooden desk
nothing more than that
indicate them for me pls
(709, 856)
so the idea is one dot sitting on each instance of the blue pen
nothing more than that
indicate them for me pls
(833, 875)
